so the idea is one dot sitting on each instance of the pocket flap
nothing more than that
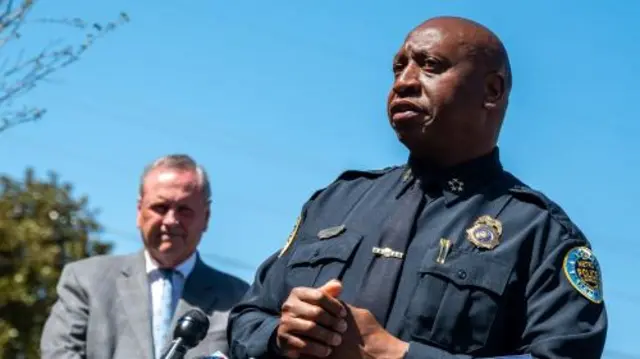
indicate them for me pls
(338, 248)
(471, 269)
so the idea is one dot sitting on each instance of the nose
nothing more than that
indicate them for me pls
(170, 218)
(407, 84)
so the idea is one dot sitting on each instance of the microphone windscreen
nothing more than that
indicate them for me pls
(192, 327)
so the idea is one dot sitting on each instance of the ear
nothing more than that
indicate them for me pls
(494, 90)
(139, 212)
(206, 218)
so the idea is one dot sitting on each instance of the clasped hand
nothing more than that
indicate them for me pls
(315, 324)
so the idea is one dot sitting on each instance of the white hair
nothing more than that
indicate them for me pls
(179, 162)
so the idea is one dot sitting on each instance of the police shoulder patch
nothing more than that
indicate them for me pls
(292, 236)
(583, 272)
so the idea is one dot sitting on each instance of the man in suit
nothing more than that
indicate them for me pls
(124, 307)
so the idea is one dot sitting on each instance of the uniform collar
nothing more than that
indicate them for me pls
(455, 182)
(185, 268)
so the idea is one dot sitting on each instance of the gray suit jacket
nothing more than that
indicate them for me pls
(103, 309)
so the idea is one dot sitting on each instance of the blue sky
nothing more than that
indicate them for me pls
(275, 98)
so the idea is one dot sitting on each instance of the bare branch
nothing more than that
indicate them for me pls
(12, 19)
(19, 117)
(23, 76)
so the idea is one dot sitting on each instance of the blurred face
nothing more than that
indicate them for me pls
(437, 95)
(172, 215)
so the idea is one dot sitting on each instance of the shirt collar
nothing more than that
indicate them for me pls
(455, 182)
(185, 268)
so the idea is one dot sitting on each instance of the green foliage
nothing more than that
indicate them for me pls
(42, 227)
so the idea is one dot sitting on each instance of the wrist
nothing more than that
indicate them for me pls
(401, 350)
(387, 348)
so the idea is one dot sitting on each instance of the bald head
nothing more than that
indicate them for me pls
(452, 80)
(474, 40)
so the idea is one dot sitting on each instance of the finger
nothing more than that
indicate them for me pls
(332, 288)
(317, 297)
(316, 314)
(311, 330)
(296, 347)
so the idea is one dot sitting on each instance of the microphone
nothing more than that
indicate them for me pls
(190, 329)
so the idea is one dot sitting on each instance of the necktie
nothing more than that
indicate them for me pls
(162, 318)
(379, 285)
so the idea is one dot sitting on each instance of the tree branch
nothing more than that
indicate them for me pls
(25, 74)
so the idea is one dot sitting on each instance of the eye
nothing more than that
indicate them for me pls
(433, 65)
(430, 63)
(399, 64)
(160, 208)
(185, 211)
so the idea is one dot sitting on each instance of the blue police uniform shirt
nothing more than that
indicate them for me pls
(493, 268)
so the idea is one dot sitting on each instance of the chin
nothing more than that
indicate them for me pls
(170, 258)
(406, 140)
(414, 141)
(169, 250)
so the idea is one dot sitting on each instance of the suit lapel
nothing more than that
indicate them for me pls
(133, 289)
(199, 291)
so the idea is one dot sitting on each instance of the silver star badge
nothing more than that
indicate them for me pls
(455, 185)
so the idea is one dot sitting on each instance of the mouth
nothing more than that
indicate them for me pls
(166, 237)
(403, 110)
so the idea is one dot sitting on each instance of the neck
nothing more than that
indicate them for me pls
(473, 173)
(448, 159)
(167, 263)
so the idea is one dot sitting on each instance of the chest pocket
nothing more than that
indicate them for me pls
(314, 264)
(455, 303)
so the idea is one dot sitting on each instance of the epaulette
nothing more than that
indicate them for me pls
(529, 195)
(352, 174)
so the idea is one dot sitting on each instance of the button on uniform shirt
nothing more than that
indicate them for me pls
(156, 283)
(483, 266)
